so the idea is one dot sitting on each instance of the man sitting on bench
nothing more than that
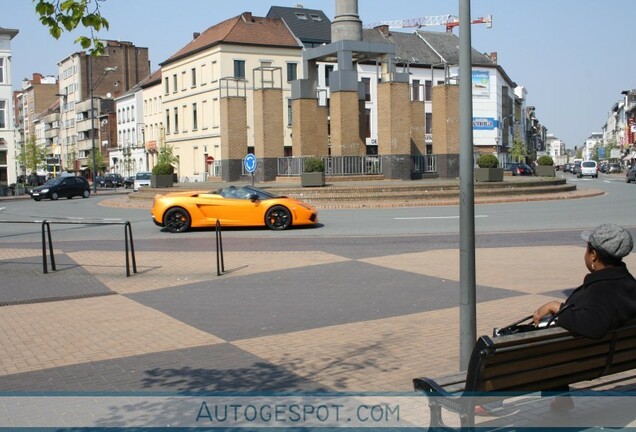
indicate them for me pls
(607, 298)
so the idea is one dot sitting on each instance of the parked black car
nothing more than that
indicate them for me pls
(631, 175)
(113, 180)
(129, 182)
(100, 181)
(519, 169)
(615, 168)
(62, 187)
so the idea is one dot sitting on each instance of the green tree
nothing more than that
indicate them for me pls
(100, 162)
(71, 157)
(67, 15)
(166, 155)
(33, 156)
(518, 150)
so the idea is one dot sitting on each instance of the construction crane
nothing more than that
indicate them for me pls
(450, 21)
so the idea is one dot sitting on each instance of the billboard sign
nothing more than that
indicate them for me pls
(484, 123)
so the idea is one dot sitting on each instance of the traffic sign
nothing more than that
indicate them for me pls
(209, 159)
(250, 163)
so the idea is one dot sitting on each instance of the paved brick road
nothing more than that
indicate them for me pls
(278, 321)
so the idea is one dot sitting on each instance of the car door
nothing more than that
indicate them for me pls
(233, 210)
(65, 189)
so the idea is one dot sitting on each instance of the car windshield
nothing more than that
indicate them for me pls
(245, 192)
(589, 164)
(143, 176)
(53, 181)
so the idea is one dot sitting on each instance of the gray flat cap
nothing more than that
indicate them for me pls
(613, 240)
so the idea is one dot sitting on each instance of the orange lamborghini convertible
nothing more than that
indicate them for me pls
(232, 207)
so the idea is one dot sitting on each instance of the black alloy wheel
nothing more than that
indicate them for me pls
(177, 220)
(278, 218)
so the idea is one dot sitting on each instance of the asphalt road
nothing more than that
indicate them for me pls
(617, 206)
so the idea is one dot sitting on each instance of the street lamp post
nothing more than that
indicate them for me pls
(92, 116)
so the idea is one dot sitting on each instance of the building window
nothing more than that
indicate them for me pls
(183, 80)
(427, 90)
(204, 74)
(2, 74)
(167, 84)
(215, 109)
(168, 122)
(292, 71)
(367, 123)
(174, 83)
(416, 90)
(367, 89)
(301, 16)
(429, 123)
(3, 114)
(239, 69)
(328, 70)
(184, 111)
(176, 120)
(193, 73)
(204, 111)
(213, 72)
(194, 117)
(289, 112)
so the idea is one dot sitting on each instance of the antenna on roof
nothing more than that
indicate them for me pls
(299, 6)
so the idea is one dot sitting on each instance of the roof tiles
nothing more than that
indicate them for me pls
(243, 29)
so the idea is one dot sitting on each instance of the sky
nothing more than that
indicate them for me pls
(573, 56)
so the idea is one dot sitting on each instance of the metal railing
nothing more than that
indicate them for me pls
(334, 165)
(424, 163)
(46, 235)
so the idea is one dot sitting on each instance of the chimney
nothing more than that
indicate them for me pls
(346, 24)
(195, 35)
(247, 17)
(493, 56)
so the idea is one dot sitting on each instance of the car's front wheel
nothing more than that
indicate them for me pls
(278, 218)
(177, 220)
(54, 196)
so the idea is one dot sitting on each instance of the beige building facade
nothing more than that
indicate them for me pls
(229, 60)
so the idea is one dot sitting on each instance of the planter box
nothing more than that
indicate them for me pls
(489, 174)
(160, 181)
(312, 179)
(545, 171)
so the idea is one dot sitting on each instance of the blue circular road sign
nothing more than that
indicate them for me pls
(250, 163)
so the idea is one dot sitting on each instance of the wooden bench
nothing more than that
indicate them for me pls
(524, 363)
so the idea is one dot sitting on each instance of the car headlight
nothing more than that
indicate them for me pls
(44, 190)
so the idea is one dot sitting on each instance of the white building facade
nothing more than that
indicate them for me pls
(8, 159)
(130, 155)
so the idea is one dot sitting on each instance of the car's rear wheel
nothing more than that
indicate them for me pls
(86, 193)
(54, 196)
(177, 220)
(278, 218)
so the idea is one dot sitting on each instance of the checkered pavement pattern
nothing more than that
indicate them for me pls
(275, 321)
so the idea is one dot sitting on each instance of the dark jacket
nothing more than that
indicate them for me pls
(605, 301)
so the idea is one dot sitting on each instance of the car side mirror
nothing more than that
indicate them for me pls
(253, 197)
